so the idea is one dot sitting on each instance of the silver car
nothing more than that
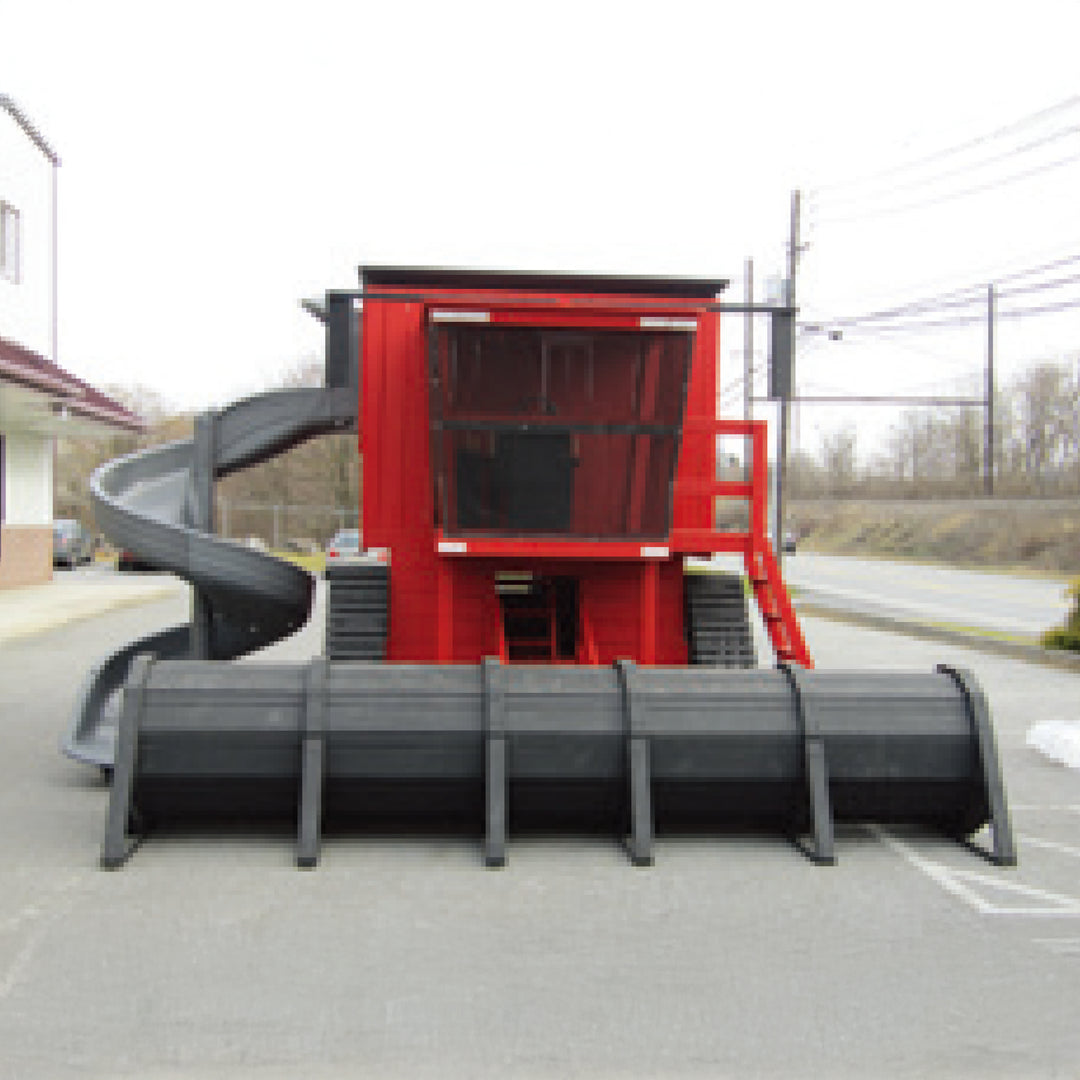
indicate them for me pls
(343, 547)
(72, 544)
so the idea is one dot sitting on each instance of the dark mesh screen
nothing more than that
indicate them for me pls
(555, 432)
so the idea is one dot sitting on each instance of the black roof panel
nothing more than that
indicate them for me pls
(526, 281)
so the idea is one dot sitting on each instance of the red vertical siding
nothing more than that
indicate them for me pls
(446, 608)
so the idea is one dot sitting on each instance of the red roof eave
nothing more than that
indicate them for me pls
(29, 369)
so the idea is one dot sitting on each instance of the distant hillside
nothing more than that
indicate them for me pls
(1040, 535)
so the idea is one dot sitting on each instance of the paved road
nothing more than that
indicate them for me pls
(214, 958)
(939, 595)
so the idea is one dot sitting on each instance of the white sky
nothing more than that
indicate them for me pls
(221, 160)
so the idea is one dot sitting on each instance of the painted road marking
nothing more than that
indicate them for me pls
(967, 885)
(37, 918)
(1052, 845)
(1045, 808)
(1060, 946)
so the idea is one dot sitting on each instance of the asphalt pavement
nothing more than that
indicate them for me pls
(970, 601)
(212, 957)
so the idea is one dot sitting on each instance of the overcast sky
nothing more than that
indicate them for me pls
(222, 160)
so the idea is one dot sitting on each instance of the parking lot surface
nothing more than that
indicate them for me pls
(212, 956)
(79, 593)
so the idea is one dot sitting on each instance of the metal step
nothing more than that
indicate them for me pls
(718, 621)
(357, 611)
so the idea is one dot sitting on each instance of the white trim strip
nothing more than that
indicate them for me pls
(658, 322)
(453, 547)
(460, 316)
(655, 552)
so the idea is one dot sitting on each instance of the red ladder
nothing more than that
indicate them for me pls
(775, 606)
(529, 631)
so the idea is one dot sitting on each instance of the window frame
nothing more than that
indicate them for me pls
(10, 219)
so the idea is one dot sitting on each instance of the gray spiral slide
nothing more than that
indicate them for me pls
(158, 503)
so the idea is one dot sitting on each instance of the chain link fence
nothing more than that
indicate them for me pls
(282, 526)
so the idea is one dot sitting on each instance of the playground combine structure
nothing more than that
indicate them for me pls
(535, 650)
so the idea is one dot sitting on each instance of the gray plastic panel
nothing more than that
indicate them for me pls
(700, 747)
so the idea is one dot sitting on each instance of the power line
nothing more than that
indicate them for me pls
(726, 394)
(1045, 309)
(907, 345)
(970, 320)
(882, 399)
(1042, 286)
(975, 166)
(914, 308)
(977, 189)
(958, 297)
(980, 140)
(970, 301)
(1046, 259)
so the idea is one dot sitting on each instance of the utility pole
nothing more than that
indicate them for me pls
(988, 450)
(785, 405)
(748, 362)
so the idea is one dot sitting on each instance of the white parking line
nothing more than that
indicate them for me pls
(1061, 946)
(961, 884)
(1044, 808)
(1051, 845)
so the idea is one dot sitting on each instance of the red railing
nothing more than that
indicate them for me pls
(753, 542)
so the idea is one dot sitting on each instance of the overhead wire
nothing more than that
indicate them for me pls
(914, 186)
(966, 296)
(1046, 259)
(907, 345)
(971, 320)
(969, 144)
(982, 163)
(949, 196)
(852, 201)
(732, 388)
(963, 302)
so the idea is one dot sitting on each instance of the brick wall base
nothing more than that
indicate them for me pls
(25, 555)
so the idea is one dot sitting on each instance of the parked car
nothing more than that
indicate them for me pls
(127, 560)
(72, 544)
(344, 545)
(789, 540)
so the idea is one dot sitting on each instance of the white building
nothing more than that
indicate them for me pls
(39, 401)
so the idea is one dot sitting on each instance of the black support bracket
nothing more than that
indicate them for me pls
(639, 773)
(816, 766)
(201, 514)
(1004, 849)
(312, 763)
(118, 845)
(495, 771)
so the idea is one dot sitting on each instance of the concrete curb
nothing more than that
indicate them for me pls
(1033, 654)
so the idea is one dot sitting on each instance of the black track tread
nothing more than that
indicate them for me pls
(718, 621)
(358, 612)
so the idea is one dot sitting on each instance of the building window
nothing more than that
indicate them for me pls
(9, 242)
